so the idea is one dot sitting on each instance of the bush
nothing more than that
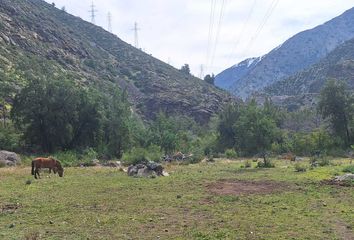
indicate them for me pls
(142, 155)
(67, 158)
(349, 169)
(231, 153)
(135, 156)
(300, 167)
(319, 161)
(265, 164)
(9, 138)
(248, 164)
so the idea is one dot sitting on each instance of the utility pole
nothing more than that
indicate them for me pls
(109, 21)
(136, 37)
(93, 13)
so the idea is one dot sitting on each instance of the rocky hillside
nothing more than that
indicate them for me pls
(229, 77)
(296, 54)
(339, 64)
(32, 32)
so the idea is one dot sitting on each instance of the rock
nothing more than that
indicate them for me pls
(28, 182)
(344, 178)
(9, 158)
(299, 159)
(150, 169)
(145, 172)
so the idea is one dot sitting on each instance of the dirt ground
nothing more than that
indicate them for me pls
(242, 187)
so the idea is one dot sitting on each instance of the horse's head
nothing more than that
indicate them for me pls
(60, 169)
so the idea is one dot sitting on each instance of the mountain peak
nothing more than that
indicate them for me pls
(294, 55)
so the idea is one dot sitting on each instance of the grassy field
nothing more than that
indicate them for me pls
(103, 203)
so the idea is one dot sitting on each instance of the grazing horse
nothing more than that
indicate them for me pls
(50, 163)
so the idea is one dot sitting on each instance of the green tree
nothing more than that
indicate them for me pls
(335, 103)
(185, 69)
(164, 133)
(210, 79)
(255, 130)
(117, 131)
(225, 126)
(56, 114)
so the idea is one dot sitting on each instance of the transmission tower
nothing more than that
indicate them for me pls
(109, 21)
(136, 37)
(201, 73)
(93, 13)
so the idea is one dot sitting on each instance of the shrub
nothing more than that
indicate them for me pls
(300, 167)
(349, 169)
(67, 158)
(135, 156)
(265, 164)
(9, 138)
(319, 161)
(142, 155)
(197, 156)
(231, 153)
(248, 164)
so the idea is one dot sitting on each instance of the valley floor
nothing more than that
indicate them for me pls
(217, 200)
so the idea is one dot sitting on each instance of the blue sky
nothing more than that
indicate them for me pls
(177, 31)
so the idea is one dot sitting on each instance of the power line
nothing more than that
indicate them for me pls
(221, 15)
(93, 13)
(109, 18)
(211, 30)
(262, 24)
(237, 42)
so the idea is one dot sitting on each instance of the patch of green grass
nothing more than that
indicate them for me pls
(104, 203)
(349, 169)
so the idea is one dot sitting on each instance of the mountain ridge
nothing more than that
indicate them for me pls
(97, 57)
(296, 54)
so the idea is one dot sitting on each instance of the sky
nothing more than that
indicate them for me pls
(209, 35)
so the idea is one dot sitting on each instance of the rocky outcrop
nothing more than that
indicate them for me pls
(9, 158)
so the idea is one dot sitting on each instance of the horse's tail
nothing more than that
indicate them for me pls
(33, 167)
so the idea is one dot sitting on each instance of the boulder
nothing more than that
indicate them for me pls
(150, 169)
(344, 178)
(9, 158)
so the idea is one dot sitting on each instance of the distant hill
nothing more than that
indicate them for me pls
(32, 31)
(229, 77)
(296, 54)
(339, 64)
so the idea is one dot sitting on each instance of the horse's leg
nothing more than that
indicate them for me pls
(35, 173)
(39, 176)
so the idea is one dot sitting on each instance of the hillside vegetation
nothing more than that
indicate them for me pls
(339, 64)
(33, 31)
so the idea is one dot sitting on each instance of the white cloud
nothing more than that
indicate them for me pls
(178, 29)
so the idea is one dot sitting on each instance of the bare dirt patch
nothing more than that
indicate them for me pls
(242, 187)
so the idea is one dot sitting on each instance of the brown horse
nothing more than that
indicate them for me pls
(50, 163)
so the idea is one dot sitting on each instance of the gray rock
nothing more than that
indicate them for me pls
(346, 177)
(150, 169)
(9, 158)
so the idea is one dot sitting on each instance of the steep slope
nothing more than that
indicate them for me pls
(339, 64)
(296, 54)
(33, 31)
